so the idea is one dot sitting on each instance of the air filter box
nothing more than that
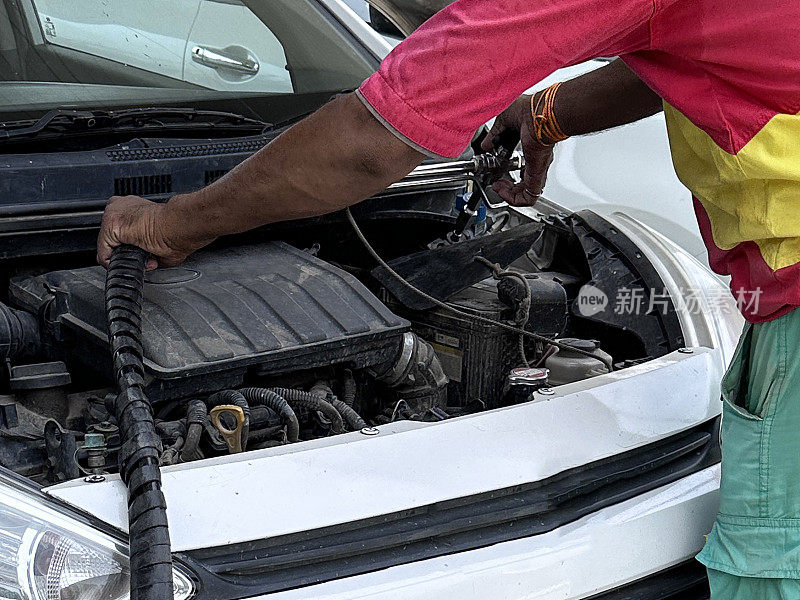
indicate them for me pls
(267, 308)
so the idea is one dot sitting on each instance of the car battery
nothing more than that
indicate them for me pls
(477, 356)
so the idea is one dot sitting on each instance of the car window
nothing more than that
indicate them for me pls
(229, 33)
(141, 34)
(219, 45)
(96, 48)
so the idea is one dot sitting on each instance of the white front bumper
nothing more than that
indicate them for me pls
(352, 477)
(605, 550)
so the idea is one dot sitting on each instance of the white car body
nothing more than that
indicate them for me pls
(315, 484)
(167, 46)
(581, 423)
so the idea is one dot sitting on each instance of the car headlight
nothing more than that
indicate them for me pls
(48, 552)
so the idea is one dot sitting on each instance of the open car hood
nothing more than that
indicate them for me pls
(407, 15)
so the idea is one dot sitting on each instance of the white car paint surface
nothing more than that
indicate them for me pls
(235, 30)
(122, 31)
(578, 560)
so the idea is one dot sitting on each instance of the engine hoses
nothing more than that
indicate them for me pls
(196, 415)
(350, 416)
(150, 554)
(268, 398)
(349, 388)
(312, 402)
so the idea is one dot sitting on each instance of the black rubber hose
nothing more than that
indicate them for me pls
(268, 398)
(260, 436)
(312, 402)
(196, 415)
(171, 430)
(236, 399)
(19, 334)
(348, 388)
(150, 554)
(262, 417)
(171, 455)
(350, 416)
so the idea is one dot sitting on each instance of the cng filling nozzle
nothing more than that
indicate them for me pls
(482, 170)
(488, 168)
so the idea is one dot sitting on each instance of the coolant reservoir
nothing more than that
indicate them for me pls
(567, 366)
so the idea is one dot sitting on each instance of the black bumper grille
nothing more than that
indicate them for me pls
(686, 581)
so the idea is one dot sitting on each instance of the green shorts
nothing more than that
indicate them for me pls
(753, 550)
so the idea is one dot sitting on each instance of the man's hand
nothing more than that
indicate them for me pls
(139, 222)
(607, 97)
(537, 157)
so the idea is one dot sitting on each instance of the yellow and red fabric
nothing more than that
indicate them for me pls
(729, 71)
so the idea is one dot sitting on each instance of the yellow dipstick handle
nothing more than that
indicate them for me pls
(232, 437)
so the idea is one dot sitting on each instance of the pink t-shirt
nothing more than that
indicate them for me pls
(729, 71)
(470, 61)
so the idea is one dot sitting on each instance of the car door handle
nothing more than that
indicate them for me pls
(219, 59)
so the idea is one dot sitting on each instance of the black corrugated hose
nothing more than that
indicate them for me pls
(354, 421)
(350, 416)
(349, 389)
(268, 398)
(310, 401)
(150, 555)
(19, 334)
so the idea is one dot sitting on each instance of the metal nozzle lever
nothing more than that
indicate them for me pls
(489, 168)
(232, 437)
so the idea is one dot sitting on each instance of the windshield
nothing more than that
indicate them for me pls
(128, 53)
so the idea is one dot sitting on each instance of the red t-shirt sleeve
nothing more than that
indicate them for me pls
(470, 61)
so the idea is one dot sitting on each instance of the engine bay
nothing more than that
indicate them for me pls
(287, 336)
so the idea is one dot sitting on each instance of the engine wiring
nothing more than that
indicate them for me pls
(449, 307)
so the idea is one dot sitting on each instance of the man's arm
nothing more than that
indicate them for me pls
(341, 155)
(622, 97)
(601, 99)
(336, 157)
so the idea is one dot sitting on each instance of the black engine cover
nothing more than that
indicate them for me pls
(268, 307)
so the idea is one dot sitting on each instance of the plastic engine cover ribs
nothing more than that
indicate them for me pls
(268, 307)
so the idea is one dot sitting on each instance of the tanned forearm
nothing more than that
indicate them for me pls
(296, 176)
(336, 157)
(604, 98)
(341, 155)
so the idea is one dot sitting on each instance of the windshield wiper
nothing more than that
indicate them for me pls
(62, 122)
